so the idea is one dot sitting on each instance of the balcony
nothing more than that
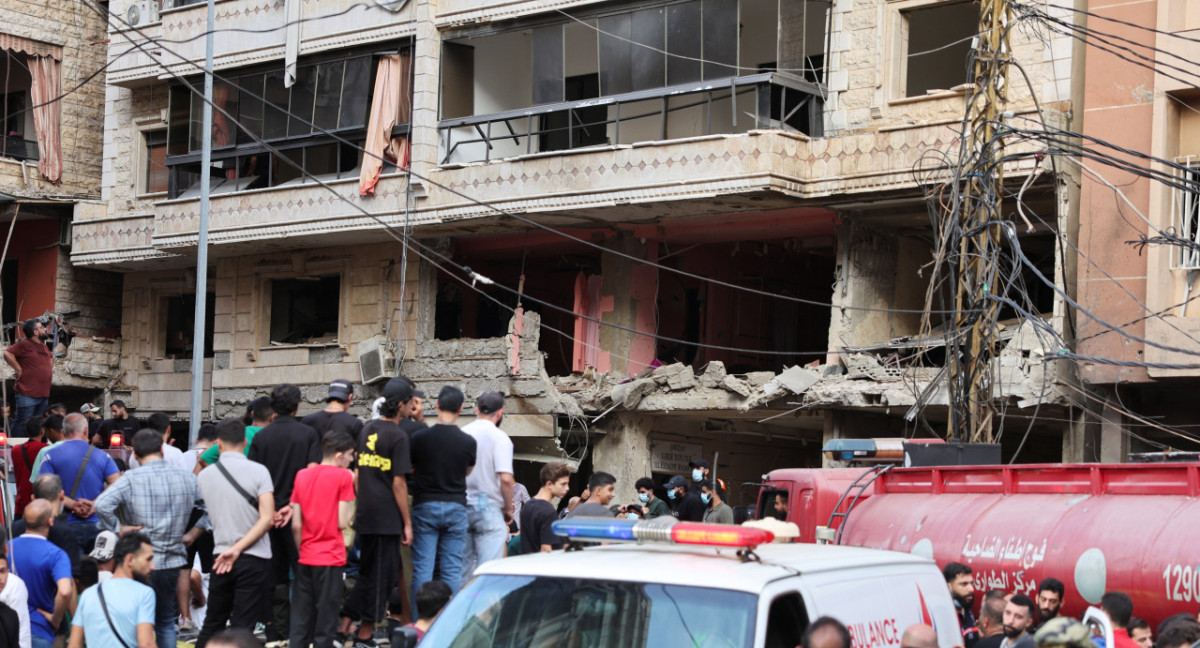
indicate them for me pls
(769, 100)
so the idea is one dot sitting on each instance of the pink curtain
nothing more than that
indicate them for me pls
(389, 106)
(47, 116)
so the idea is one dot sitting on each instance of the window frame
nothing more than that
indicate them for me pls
(235, 152)
(262, 298)
(896, 45)
(1182, 200)
(144, 160)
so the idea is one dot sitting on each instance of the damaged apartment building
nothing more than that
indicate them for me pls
(666, 229)
(50, 171)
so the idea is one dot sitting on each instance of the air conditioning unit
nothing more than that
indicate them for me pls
(142, 12)
(376, 356)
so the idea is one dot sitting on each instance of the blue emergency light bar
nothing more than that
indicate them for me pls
(662, 530)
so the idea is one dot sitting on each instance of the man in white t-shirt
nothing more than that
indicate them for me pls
(489, 485)
(15, 595)
(161, 423)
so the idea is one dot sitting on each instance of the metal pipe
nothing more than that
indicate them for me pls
(202, 237)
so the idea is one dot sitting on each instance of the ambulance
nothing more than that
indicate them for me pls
(667, 584)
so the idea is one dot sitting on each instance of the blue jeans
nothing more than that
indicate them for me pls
(27, 406)
(166, 605)
(40, 642)
(487, 534)
(439, 534)
(85, 535)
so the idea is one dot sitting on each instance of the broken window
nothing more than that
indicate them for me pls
(304, 310)
(157, 176)
(329, 101)
(179, 313)
(937, 44)
(533, 88)
(19, 141)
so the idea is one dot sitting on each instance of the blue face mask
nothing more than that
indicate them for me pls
(671, 494)
(645, 497)
(631, 516)
(697, 474)
(705, 497)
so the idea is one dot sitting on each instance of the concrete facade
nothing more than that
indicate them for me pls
(834, 218)
(38, 277)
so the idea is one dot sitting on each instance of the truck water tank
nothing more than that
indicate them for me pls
(1097, 528)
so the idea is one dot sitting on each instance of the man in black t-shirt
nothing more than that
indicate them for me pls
(120, 423)
(538, 513)
(685, 505)
(442, 457)
(337, 411)
(382, 519)
(285, 447)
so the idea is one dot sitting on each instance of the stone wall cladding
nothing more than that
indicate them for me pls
(81, 34)
(96, 294)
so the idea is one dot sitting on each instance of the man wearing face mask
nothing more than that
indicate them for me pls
(700, 471)
(685, 504)
(654, 506)
(713, 498)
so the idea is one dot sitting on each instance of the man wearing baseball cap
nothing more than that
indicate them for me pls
(489, 485)
(102, 553)
(685, 504)
(337, 411)
(94, 418)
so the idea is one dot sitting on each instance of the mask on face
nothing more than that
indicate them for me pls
(697, 474)
(671, 493)
(644, 497)
(705, 497)
(631, 516)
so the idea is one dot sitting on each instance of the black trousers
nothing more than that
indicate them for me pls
(284, 557)
(316, 598)
(238, 597)
(378, 571)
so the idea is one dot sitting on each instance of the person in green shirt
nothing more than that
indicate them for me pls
(260, 411)
(654, 506)
(714, 498)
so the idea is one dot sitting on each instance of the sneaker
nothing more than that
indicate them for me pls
(365, 643)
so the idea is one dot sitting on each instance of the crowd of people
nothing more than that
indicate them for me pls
(1014, 620)
(120, 537)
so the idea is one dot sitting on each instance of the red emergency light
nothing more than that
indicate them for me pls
(115, 440)
(3, 439)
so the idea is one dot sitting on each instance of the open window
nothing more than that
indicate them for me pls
(19, 141)
(935, 47)
(330, 101)
(305, 310)
(179, 322)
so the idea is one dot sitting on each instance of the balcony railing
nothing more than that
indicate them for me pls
(769, 100)
(14, 147)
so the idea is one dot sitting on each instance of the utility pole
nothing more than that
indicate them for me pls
(979, 218)
(202, 238)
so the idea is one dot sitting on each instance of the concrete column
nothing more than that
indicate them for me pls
(631, 287)
(427, 54)
(1114, 437)
(624, 451)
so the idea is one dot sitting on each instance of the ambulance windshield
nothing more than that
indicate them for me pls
(529, 612)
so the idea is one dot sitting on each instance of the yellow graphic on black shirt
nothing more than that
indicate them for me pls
(373, 460)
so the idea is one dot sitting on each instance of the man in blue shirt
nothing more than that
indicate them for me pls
(46, 571)
(85, 472)
(125, 599)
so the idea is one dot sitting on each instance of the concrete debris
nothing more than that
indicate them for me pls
(794, 379)
(861, 366)
(736, 385)
(684, 379)
(713, 374)
(631, 393)
(831, 370)
(760, 378)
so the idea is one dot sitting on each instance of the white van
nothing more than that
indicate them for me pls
(716, 592)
